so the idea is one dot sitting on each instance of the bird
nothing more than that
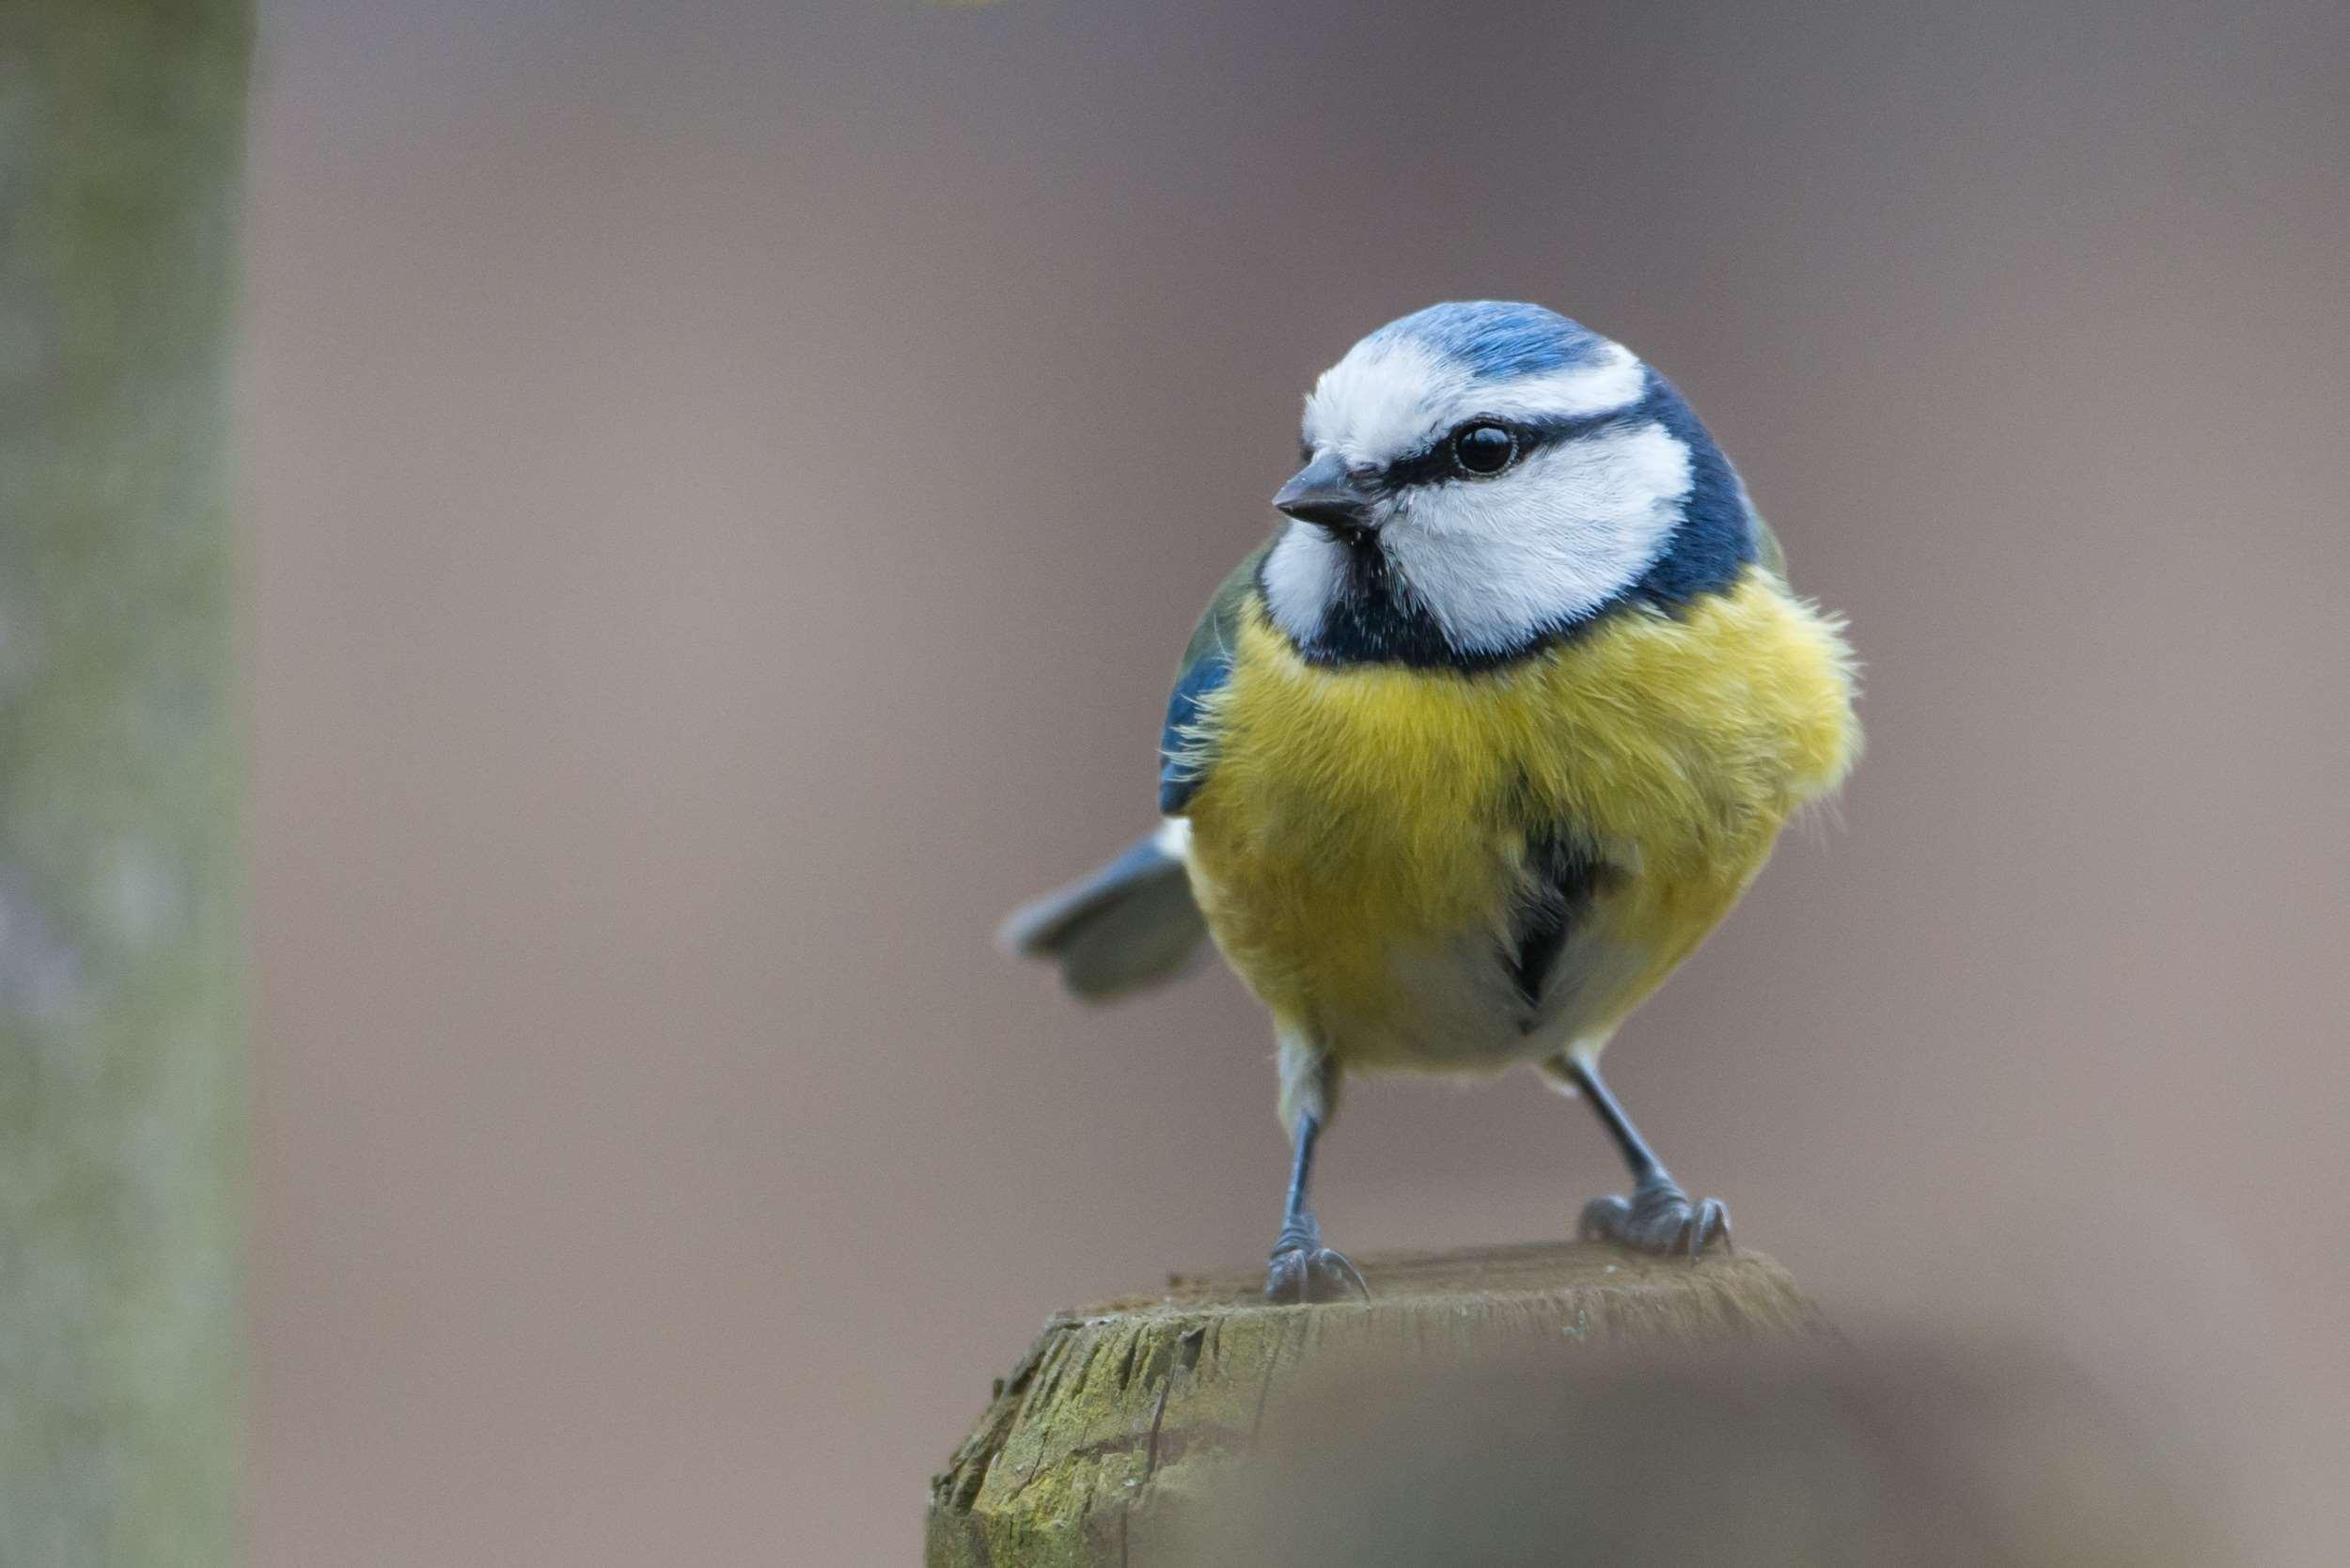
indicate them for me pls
(1477, 746)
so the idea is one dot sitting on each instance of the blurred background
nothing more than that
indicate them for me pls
(729, 481)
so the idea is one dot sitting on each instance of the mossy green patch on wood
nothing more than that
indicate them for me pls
(1125, 1411)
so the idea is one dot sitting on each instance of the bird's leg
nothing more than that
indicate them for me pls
(1301, 1268)
(1658, 1216)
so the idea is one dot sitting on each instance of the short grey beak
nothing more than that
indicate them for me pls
(1326, 495)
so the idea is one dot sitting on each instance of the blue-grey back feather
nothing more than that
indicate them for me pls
(1128, 925)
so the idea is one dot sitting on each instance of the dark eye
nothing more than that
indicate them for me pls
(1483, 449)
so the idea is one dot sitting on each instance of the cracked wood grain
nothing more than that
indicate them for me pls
(1066, 1469)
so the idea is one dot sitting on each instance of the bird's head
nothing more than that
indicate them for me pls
(1481, 479)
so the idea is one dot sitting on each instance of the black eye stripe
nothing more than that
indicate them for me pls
(1434, 463)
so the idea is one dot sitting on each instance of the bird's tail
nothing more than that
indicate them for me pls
(1129, 925)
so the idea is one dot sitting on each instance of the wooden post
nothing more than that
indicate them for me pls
(121, 943)
(1123, 1410)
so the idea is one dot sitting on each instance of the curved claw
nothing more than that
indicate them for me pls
(1711, 1219)
(1301, 1274)
(1657, 1217)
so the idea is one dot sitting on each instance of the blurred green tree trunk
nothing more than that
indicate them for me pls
(122, 1089)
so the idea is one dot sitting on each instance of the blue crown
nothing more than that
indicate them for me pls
(1498, 340)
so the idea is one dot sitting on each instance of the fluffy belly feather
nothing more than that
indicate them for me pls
(1360, 844)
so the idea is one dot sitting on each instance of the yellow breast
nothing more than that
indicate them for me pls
(1360, 824)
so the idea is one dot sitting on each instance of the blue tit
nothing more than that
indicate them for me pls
(1483, 742)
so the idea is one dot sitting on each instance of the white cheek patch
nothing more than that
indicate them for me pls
(1568, 531)
(1496, 562)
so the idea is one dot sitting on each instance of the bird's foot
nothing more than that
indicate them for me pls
(1657, 1217)
(1302, 1269)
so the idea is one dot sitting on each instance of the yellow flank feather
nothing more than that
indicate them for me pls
(1362, 828)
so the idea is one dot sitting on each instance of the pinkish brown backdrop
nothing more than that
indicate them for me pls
(728, 481)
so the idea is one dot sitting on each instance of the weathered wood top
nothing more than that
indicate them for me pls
(1521, 1273)
(1123, 1409)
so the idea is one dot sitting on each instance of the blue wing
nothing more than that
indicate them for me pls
(1185, 756)
(1182, 765)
